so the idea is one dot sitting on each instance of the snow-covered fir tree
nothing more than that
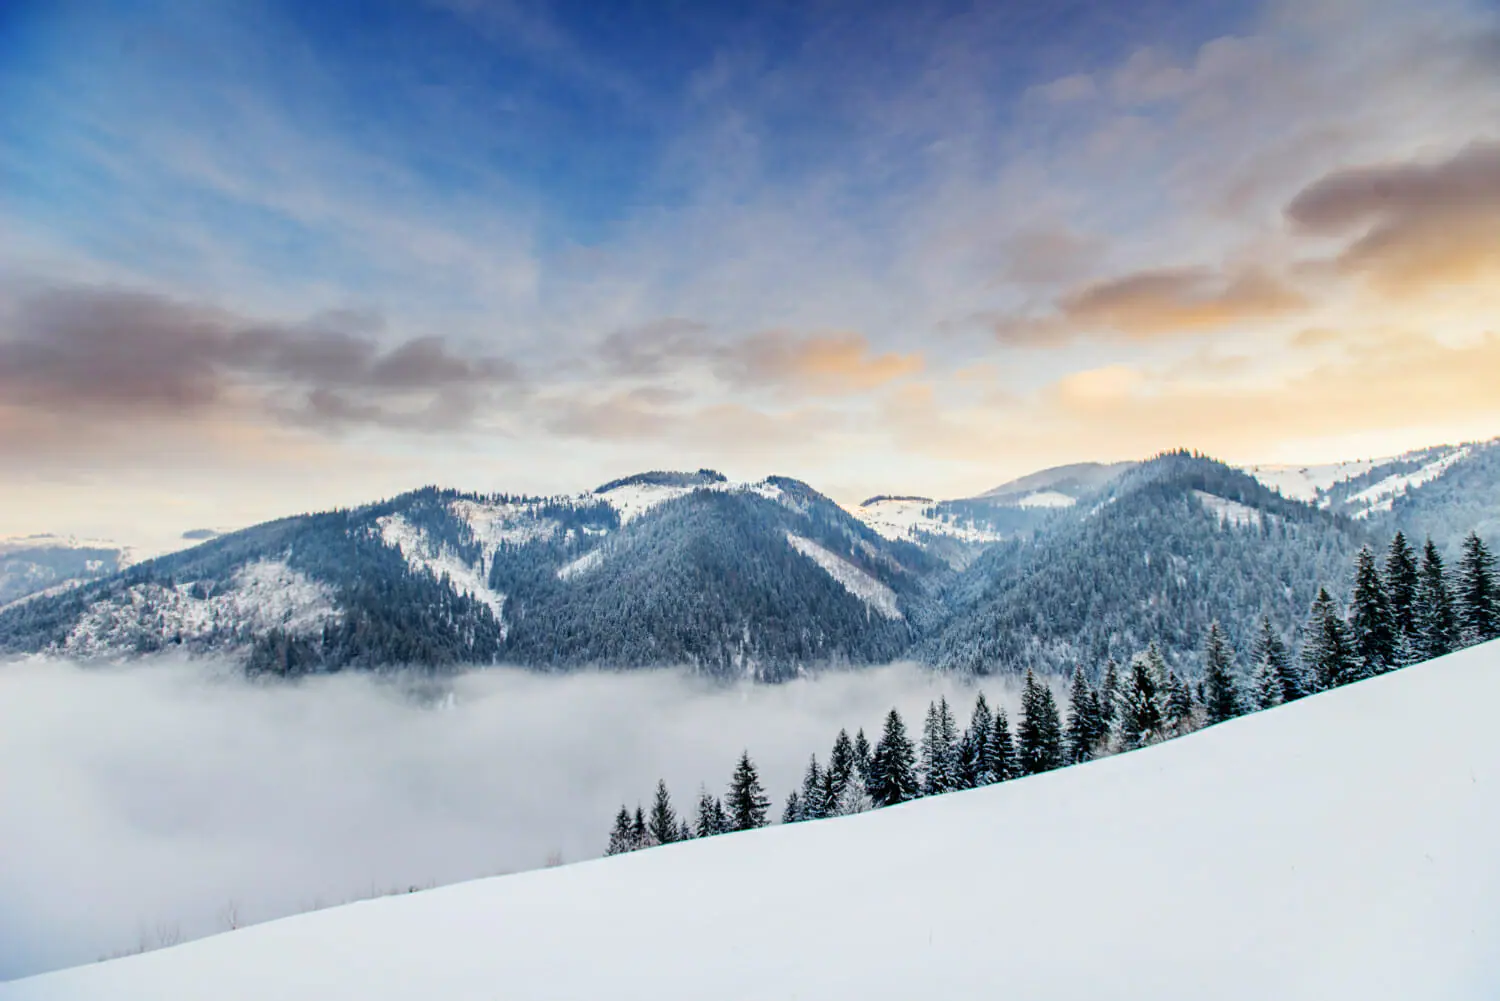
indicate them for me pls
(1400, 578)
(1277, 679)
(1221, 696)
(661, 825)
(1326, 655)
(746, 803)
(1437, 620)
(1085, 721)
(792, 812)
(1372, 628)
(1109, 685)
(974, 756)
(840, 773)
(711, 816)
(640, 835)
(939, 763)
(1002, 748)
(863, 754)
(814, 791)
(1478, 616)
(893, 767)
(1139, 716)
(1179, 710)
(621, 836)
(1039, 744)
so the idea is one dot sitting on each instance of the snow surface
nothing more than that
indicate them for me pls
(1299, 853)
(909, 518)
(265, 594)
(1231, 511)
(635, 499)
(582, 565)
(1046, 498)
(422, 553)
(1381, 496)
(857, 582)
(496, 524)
(1305, 482)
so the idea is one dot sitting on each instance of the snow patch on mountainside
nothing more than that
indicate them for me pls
(496, 524)
(1046, 498)
(635, 499)
(857, 582)
(1230, 511)
(1299, 853)
(1304, 483)
(910, 518)
(1382, 495)
(422, 553)
(582, 565)
(263, 595)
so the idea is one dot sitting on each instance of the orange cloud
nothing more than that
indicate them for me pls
(833, 364)
(1414, 226)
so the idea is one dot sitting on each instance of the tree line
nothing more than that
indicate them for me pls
(1404, 610)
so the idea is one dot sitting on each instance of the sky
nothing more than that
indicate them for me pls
(160, 795)
(267, 257)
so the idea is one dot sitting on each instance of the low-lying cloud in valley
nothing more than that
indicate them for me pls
(148, 800)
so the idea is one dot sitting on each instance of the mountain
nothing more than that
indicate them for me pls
(757, 579)
(1340, 846)
(42, 564)
(1161, 551)
(764, 579)
(1442, 492)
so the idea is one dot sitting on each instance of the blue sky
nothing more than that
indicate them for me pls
(887, 247)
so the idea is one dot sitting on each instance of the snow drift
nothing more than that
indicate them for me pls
(1340, 847)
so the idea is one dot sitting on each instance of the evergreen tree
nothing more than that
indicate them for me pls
(1437, 622)
(711, 817)
(1178, 707)
(1001, 753)
(893, 767)
(975, 758)
(939, 750)
(1401, 587)
(1108, 687)
(1085, 723)
(1325, 646)
(792, 813)
(747, 803)
(862, 756)
(640, 836)
(1039, 735)
(1371, 625)
(661, 827)
(1478, 616)
(621, 837)
(814, 798)
(684, 831)
(1277, 679)
(1221, 697)
(1139, 712)
(840, 773)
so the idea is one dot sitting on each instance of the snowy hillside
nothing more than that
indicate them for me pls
(1299, 853)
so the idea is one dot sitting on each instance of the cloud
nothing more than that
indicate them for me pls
(1145, 305)
(156, 794)
(1065, 90)
(1415, 225)
(106, 353)
(823, 363)
(832, 363)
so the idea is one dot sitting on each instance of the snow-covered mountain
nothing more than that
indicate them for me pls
(756, 579)
(771, 577)
(1341, 846)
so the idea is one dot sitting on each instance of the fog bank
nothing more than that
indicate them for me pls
(165, 798)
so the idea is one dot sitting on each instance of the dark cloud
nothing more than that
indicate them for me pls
(656, 347)
(1413, 225)
(119, 353)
